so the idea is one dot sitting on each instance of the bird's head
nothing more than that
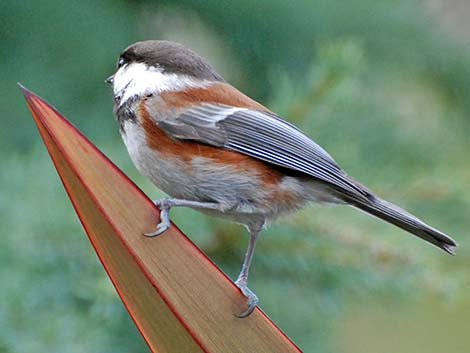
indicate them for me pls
(153, 66)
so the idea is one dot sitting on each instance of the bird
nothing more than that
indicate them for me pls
(212, 148)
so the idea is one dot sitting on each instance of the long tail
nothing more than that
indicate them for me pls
(399, 217)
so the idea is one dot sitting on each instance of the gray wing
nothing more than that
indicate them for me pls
(261, 135)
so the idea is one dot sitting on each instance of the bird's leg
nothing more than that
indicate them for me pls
(242, 280)
(166, 204)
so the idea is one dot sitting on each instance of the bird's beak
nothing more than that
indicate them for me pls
(110, 79)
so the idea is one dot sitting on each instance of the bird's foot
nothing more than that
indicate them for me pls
(164, 205)
(252, 299)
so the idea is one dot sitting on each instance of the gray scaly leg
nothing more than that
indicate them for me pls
(242, 280)
(166, 204)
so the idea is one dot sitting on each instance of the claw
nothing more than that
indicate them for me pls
(161, 228)
(164, 224)
(159, 203)
(252, 299)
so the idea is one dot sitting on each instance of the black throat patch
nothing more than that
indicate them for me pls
(127, 112)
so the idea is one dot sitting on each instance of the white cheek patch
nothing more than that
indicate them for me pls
(140, 79)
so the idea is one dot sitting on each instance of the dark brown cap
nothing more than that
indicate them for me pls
(170, 57)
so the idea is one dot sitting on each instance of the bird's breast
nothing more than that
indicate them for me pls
(196, 171)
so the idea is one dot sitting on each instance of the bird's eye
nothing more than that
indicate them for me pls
(120, 62)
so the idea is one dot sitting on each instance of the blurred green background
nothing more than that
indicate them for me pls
(383, 85)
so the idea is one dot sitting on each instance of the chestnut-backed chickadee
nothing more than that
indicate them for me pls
(212, 148)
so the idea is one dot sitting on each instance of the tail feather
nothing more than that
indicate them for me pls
(399, 217)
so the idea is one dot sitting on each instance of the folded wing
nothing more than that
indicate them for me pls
(262, 135)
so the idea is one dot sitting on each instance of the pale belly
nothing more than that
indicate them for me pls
(198, 179)
(242, 195)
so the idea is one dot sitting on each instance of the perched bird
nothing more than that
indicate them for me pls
(214, 149)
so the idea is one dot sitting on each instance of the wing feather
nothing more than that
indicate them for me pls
(261, 135)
